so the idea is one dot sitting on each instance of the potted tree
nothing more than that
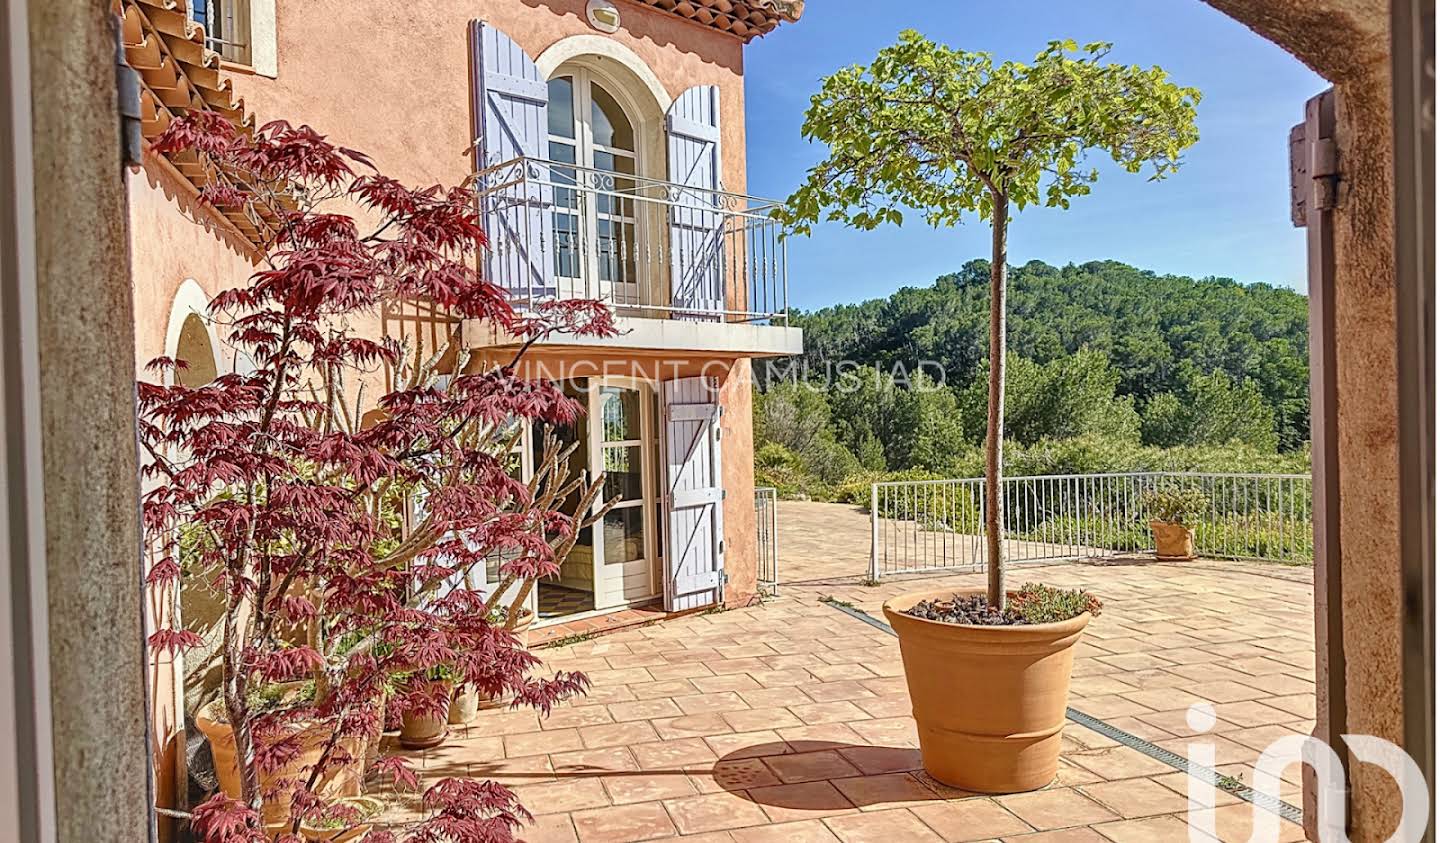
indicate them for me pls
(1173, 515)
(329, 604)
(949, 133)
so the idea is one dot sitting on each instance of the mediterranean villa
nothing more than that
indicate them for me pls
(606, 143)
(603, 145)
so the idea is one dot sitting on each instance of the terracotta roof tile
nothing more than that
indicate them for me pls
(178, 74)
(745, 18)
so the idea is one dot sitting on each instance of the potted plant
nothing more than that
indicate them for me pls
(285, 488)
(346, 821)
(423, 721)
(988, 688)
(1173, 515)
(948, 133)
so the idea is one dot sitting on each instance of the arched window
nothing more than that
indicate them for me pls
(595, 225)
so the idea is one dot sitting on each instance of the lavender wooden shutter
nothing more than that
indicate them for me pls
(510, 122)
(697, 219)
(694, 495)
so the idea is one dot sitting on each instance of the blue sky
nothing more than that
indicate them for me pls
(1226, 213)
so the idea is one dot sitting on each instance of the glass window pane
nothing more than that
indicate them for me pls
(619, 413)
(622, 473)
(562, 107)
(625, 534)
(611, 126)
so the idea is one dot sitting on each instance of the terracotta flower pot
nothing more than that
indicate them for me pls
(343, 781)
(1173, 541)
(464, 705)
(989, 701)
(422, 731)
(367, 806)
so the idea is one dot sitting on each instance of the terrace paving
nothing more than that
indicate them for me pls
(789, 721)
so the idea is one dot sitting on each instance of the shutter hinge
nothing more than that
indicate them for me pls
(722, 553)
(127, 94)
(1314, 163)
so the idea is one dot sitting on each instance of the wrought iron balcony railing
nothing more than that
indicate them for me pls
(647, 247)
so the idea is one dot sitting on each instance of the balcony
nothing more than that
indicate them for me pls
(683, 267)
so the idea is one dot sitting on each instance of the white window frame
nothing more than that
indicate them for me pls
(628, 291)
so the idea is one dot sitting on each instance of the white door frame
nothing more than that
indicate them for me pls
(648, 444)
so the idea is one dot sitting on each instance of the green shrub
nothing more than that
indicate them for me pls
(1174, 505)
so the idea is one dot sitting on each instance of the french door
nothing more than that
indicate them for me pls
(595, 224)
(623, 445)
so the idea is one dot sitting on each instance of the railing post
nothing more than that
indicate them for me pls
(874, 532)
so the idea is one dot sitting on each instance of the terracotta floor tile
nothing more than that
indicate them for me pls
(732, 682)
(1118, 762)
(748, 744)
(1234, 824)
(657, 690)
(1107, 706)
(595, 761)
(573, 716)
(552, 828)
(617, 734)
(1134, 798)
(754, 720)
(774, 697)
(562, 796)
(684, 753)
(628, 788)
(625, 712)
(692, 726)
(811, 766)
(1301, 705)
(548, 742)
(505, 723)
(892, 731)
(1082, 834)
(714, 812)
(876, 760)
(1149, 830)
(734, 775)
(822, 736)
(970, 820)
(836, 691)
(881, 827)
(509, 771)
(800, 801)
(715, 703)
(885, 790)
(831, 712)
(806, 831)
(1253, 713)
(623, 823)
(1051, 809)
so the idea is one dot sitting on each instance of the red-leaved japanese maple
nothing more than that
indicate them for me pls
(333, 544)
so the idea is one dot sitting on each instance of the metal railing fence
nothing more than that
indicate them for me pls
(767, 541)
(939, 524)
(645, 246)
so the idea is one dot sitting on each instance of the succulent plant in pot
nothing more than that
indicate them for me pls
(1174, 511)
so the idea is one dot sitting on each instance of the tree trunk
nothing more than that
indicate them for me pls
(995, 420)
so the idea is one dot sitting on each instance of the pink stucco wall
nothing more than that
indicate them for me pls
(391, 77)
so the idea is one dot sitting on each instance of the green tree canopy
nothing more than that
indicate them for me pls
(948, 132)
